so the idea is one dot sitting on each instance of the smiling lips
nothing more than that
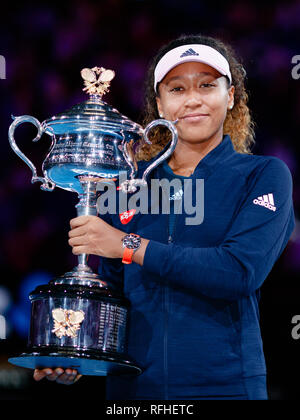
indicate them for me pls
(194, 117)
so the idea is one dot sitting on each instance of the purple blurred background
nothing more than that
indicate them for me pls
(45, 47)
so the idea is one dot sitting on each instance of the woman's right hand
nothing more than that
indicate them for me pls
(66, 377)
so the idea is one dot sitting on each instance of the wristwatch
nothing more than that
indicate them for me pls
(131, 244)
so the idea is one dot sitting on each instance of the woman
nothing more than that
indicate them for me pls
(194, 287)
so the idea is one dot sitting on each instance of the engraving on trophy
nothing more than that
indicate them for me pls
(112, 328)
(66, 322)
(72, 149)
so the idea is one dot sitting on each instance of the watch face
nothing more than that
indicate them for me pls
(131, 241)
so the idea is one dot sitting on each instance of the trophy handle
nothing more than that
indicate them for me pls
(129, 156)
(130, 185)
(47, 185)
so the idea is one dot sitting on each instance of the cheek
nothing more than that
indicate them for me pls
(218, 107)
(170, 107)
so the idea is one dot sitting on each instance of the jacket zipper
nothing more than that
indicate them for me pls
(166, 315)
(166, 321)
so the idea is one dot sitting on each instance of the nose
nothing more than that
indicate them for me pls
(193, 98)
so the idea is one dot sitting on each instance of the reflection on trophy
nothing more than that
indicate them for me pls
(76, 320)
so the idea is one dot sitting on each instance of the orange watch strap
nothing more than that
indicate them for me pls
(127, 256)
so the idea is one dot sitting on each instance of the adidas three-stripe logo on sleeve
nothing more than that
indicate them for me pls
(266, 200)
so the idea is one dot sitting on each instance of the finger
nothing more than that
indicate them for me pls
(79, 221)
(82, 220)
(55, 374)
(77, 378)
(77, 231)
(74, 376)
(80, 249)
(68, 377)
(78, 241)
(39, 374)
(71, 375)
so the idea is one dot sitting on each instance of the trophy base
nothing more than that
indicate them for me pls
(85, 362)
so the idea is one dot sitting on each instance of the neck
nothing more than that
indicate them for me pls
(187, 155)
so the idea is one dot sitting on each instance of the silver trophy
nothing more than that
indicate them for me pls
(77, 321)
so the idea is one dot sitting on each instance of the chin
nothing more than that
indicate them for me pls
(197, 137)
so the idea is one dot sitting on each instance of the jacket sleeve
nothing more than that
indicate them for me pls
(256, 239)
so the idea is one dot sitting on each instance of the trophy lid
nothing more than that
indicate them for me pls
(93, 114)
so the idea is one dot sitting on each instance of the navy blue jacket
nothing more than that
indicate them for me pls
(194, 318)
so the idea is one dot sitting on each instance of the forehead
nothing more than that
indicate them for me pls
(190, 69)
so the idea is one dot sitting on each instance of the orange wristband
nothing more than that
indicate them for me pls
(127, 256)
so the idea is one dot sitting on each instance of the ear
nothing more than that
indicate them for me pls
(230, 97)
(159, 107)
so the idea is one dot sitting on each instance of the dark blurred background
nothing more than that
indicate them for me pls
(45, 47)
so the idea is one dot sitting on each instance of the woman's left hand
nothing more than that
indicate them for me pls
(91, 235)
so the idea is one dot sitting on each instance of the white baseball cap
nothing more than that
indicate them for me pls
(191, 52)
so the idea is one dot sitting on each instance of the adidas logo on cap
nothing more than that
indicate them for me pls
(190, 51)
(266, 200)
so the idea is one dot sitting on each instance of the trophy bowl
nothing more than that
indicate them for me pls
(77, 320)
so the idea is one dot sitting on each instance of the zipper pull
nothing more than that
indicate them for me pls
(170, 239)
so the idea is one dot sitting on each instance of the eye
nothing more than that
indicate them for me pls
(207, 85)
(176, 89)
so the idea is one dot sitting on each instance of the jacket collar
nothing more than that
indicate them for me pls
(215, 157)
(207, 164)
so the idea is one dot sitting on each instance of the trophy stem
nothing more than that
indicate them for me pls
(83, 274)
(86, 207)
